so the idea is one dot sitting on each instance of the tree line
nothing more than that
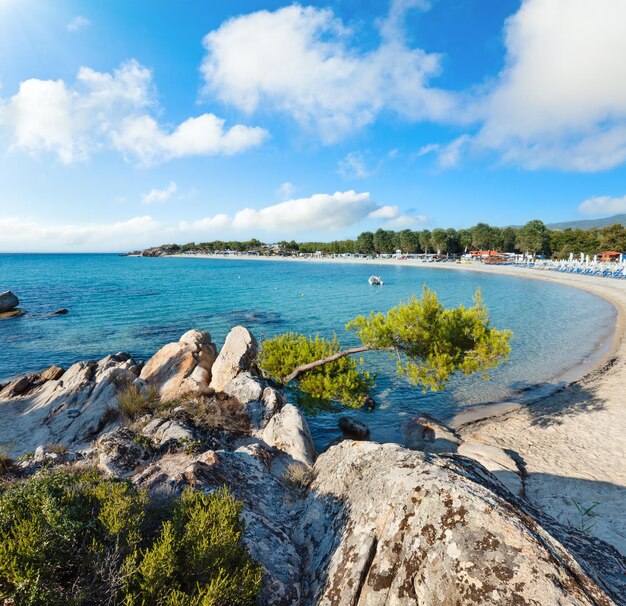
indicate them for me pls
(534, 238)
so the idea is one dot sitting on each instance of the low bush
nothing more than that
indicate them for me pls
(134, 403)
(7, 464)
(216, 412)
(78, 539)
(298, 475)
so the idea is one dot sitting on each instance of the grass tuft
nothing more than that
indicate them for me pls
(298, 475)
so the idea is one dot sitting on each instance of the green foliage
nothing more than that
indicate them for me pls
(432, 343)
(77, 539)
(534, 237)
(197, 559)
(340, 380)
(586, 515)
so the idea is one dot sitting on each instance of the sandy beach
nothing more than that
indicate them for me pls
(573, 442)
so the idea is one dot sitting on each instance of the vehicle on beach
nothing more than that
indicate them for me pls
(375, 281)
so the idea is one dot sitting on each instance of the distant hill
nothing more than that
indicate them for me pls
(589, 223)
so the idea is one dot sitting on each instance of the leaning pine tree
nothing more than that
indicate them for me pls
(428, 342)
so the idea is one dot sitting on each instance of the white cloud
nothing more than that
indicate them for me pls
(385, 212)
(27, 235)
(159, 195)
(286, 190)
(77, 23)
(560, 102)
(141, 137)
(394, 219)
(111, 110)
(353, 166)
(320, 212)
(406, 221)
(298, 60)
(603, 205)
(316, 216)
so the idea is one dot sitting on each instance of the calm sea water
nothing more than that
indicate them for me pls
(139, 304)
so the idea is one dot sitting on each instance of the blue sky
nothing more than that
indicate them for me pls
(127, 124)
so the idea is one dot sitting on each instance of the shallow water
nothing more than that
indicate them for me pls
(139, 304)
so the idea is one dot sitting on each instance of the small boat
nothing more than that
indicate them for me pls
(375, 281)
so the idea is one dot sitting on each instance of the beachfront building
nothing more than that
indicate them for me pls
(610, 255)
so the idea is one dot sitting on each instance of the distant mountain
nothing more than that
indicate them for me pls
(589, 223)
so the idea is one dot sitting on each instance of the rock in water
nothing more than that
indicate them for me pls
(14, 313)
(238, 355)
(8, 301)
(384, 525)
(354, 428)
(182, 366)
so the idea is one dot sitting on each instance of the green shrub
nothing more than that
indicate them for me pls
(341, 380)
(134, 403)
(77, 539)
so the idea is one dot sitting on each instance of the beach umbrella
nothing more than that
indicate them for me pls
(571, 257)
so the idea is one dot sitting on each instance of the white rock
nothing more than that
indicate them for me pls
(238, 355)
(288, 431)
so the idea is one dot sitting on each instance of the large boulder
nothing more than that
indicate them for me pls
(8, 301)
(181, 367)
(288, 431)
(238, 355)
(384, 525)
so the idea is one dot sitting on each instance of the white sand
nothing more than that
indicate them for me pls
(573, 443)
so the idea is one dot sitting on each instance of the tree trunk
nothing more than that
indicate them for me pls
(311, 365)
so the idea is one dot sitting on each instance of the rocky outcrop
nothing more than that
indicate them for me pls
(181, 367)
(71, 409)
(8, 301)
(379, 525)
(385, 525)
(238, 355)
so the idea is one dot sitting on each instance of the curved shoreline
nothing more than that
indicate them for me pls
(570, 444)
(606, 348)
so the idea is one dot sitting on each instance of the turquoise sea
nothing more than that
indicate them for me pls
(139, 304)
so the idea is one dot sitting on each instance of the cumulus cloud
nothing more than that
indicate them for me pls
(111, 110)
(160, 195)
(603, 205)
(299, 60)
(319, 214)
(27, 235)
(142, 138)
(560, 101)
(77, 23)
(392, 217)
(385, 212)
